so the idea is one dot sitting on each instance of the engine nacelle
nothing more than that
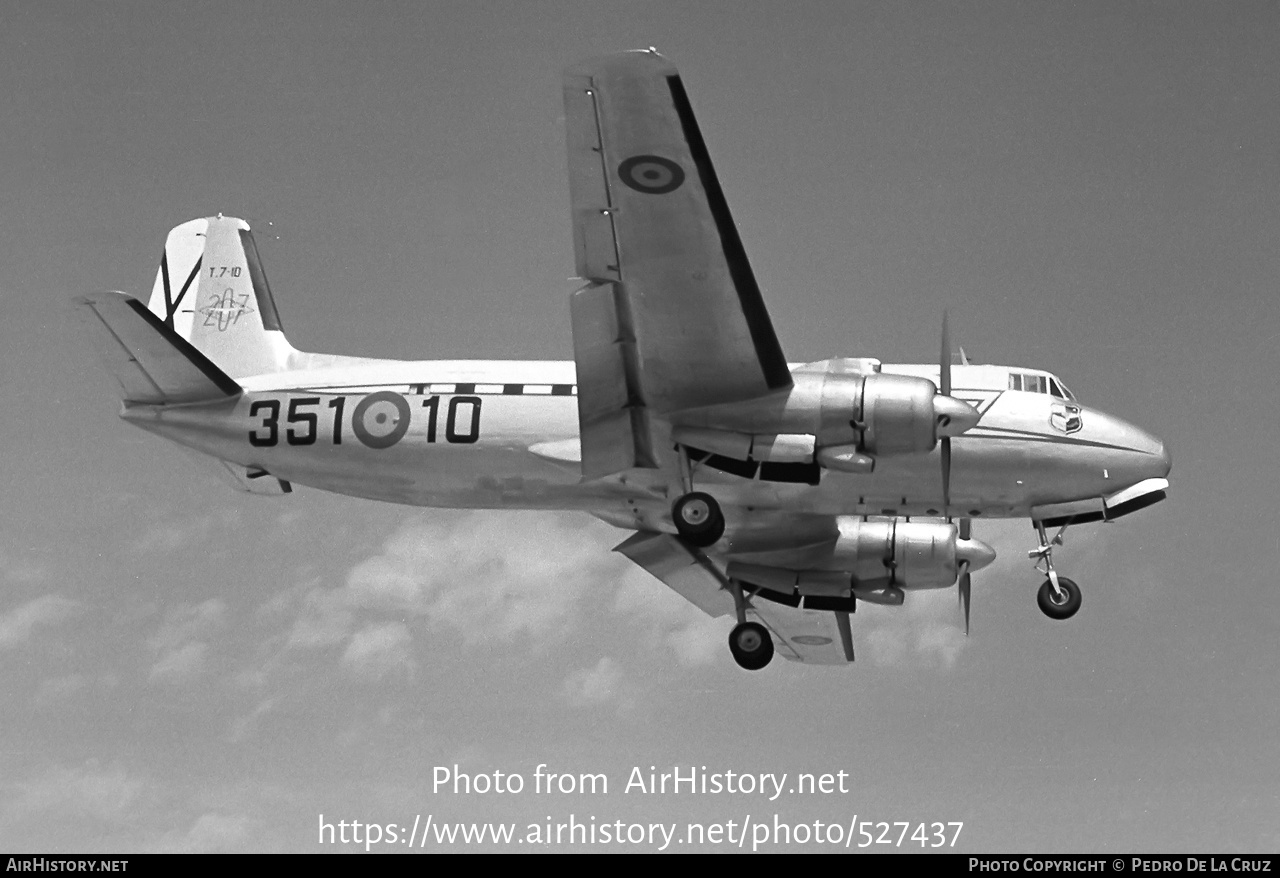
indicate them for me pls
(895, 415)
(882, 415)
(845, 420)
(908, 554)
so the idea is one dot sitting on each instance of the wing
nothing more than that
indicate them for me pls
(672, 316)
(819, 637)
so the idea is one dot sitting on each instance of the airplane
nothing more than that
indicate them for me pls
(781, 493)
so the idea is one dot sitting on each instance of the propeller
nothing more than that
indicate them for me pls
(978, 554)
(963, 583)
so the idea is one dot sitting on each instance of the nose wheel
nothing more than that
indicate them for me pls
(1058, 597)
(1060, 603)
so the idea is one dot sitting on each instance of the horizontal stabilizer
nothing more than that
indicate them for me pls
(151, 363)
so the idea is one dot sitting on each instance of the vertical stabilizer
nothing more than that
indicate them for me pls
(211, 290)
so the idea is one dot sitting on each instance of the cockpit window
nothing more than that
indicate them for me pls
(1029, 383)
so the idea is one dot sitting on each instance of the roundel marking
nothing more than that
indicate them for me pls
(651, 174)
(381, 419)
(811, 640)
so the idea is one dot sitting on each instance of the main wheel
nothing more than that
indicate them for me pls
(751, 645)
(698, 518)
(1057, 606)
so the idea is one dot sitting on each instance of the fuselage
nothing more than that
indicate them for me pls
(504, 434)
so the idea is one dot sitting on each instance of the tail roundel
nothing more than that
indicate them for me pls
(210, 290)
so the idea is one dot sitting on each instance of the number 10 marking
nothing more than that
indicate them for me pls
(464, 434)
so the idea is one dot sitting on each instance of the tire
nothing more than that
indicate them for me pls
(1053, 606)
(751, 645)
(698, 518)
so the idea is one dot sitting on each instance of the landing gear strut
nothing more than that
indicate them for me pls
(750, 643)
(1058, 597)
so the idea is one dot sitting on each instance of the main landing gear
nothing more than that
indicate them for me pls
(698, 518)
(697, 515)
(700, 522)
(1058, 597)
(750, 643)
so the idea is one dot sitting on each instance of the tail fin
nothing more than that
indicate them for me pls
(211, 291)
(151, 363)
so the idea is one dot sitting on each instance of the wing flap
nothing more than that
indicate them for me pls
(814, 637)
(818, 637)
(687, 571)
(613, 421)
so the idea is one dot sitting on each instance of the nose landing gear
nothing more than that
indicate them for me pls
(1058, 597)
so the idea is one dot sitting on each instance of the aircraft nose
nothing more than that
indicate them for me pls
(1145, 455)
(1166, 462)
(1157, 462)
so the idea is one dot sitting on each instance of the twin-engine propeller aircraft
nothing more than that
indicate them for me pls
(784, 494)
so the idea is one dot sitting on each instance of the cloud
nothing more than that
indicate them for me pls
(59, 689)
(23, 571)
(670, 623)
(487, 576)
(211, 833)
(377, 650)
(244, 727)
(927, 630)
(180, 642)
(591, 686)
(88, 790)
(169, 536)
(18, 625)
(326, 619)
(179, 664)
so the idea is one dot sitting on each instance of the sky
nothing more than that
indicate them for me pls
(1088, 188)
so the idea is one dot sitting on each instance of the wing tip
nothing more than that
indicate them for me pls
(648, 62)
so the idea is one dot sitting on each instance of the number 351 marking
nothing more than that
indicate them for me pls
(302, 420)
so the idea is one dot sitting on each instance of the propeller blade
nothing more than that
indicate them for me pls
(946, 477)
(944, 361)
(965, 584)
(944, 388)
